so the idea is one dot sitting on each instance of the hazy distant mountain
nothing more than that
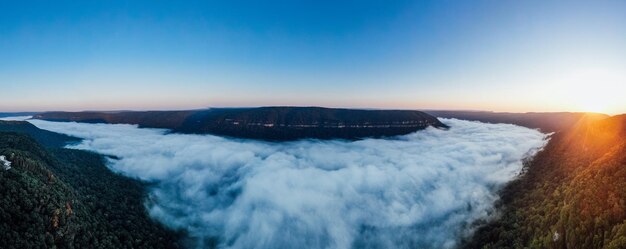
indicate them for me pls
(269, 123)
(571, 196)
(146, 119)
(16, 114)
(546, 121)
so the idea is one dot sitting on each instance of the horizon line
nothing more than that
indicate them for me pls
(315, 106)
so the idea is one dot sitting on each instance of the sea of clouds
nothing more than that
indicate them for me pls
(421, 190)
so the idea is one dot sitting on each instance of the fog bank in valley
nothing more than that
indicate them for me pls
(415, 191)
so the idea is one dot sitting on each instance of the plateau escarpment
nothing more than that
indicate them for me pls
(267, 123)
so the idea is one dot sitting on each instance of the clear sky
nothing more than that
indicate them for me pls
(487, 55)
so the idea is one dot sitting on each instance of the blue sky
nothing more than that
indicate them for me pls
(488, 55)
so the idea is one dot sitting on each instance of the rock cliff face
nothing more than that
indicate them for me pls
(268, 123)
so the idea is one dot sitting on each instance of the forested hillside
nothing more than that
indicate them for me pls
(573, 194)
(62, 198)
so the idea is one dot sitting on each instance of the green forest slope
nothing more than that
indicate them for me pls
(62, 198)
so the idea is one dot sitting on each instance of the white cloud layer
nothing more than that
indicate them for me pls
(416, 191)
(16, 118)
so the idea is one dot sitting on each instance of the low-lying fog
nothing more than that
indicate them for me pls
(416, 191)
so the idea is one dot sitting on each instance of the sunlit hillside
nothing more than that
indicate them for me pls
(572, 196)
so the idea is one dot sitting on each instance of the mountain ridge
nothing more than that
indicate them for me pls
(43, 137)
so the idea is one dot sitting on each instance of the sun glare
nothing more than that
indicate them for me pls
(594, 105)
(598, 91)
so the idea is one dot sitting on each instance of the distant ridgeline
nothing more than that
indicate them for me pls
(267, 123)
(43, 137)
(15, 114)
(546, 121)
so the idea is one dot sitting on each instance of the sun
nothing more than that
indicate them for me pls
(594, 105)
(599, 98)
(598, 91)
